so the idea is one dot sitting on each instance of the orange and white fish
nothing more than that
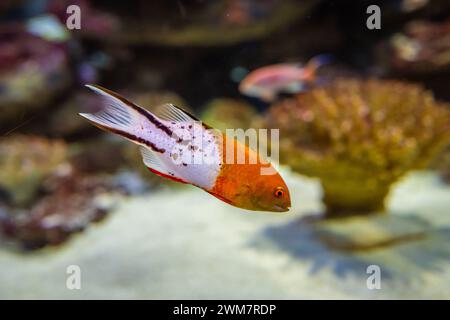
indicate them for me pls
(177, 146)
(267, 82)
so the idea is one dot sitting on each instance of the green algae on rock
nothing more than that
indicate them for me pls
(227, 113)
(25, 161)
(359, 137)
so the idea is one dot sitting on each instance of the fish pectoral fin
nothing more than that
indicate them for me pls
(154, 163)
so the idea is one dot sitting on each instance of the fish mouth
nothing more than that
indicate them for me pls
(280, 208)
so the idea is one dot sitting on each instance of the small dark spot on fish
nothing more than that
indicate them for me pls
(184, 164)
(190, 126)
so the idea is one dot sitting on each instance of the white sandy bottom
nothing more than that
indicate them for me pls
(187, 244)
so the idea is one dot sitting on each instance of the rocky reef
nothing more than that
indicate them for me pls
(32, 72)
(24, 162)
(43, 196)
(422, 47)
(359, 137)
(67, 204)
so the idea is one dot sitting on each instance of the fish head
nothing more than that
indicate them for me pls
(270, 193)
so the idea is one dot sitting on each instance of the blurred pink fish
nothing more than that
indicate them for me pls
(267, 82)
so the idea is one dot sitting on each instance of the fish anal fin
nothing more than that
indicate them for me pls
(165, 175)
(153, 162)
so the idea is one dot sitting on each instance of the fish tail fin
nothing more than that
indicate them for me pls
(315, 63)
(118, 115)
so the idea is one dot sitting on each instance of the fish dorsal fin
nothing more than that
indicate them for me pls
(154, 163)
(171, 112)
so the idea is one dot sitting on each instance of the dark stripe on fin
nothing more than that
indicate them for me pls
(139, 109)
(129, 136)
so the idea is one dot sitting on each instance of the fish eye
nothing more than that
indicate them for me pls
(279, 192)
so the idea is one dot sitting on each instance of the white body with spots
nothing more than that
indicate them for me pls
(192, 153)
(174, 144)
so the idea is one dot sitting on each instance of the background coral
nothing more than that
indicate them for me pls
(46, 194)
(359, 137)
(33, 72)
(423, 47)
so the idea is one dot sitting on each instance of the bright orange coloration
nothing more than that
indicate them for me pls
(243, 185)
